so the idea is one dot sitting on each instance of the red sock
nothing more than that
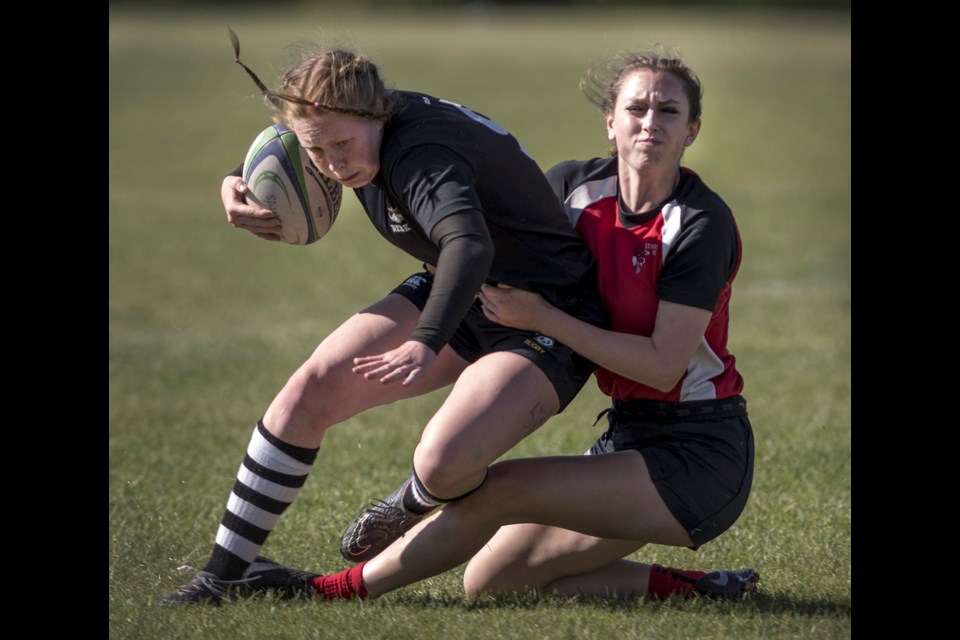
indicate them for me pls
(343, 585)
(666, 582)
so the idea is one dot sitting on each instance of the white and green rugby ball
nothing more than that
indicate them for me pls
(281, 177)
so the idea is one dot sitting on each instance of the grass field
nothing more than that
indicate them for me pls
(207, 322)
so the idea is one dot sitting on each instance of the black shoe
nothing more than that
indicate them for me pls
(260, 577)
(377, 527)
(205, 588)
(727, 584)
(266, 575)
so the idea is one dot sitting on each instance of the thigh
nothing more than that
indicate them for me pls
(521, 557)
(703, 469)
(496, 402)
(325, 391)
(567, 515)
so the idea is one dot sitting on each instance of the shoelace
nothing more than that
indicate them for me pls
(385, 507)
(387, 511)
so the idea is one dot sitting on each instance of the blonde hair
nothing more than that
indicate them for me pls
(326, 80)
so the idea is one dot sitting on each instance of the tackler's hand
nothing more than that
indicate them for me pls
(514, 308)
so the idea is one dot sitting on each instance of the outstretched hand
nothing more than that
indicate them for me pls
(242, 214)
(406, 363)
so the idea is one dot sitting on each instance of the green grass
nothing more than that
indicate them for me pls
(207, 322)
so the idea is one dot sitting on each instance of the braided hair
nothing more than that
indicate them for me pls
(332, 80)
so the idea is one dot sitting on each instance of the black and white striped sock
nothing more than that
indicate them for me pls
(269, 480)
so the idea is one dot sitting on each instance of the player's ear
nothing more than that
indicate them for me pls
(693, 130)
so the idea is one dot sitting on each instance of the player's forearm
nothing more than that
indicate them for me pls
(630, 355)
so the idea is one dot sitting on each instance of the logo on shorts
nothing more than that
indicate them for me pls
(546, 341)
(414, 282)
(540, 343)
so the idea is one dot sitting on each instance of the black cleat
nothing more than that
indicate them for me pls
(727, 584)
(377, 527)
(205, 588)
(266, 575)
(261, 576)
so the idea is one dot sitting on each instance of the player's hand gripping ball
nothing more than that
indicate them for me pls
(281, 177)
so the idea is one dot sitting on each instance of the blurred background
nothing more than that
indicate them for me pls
(206, 322)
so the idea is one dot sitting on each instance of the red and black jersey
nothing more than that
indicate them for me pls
(686, 252)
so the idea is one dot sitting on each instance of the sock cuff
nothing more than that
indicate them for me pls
(343, 585)
(422, 490)
(355, 578)
(300, 454)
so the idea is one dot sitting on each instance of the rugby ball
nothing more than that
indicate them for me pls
(281, 177)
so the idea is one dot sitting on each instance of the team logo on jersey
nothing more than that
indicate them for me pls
(639, 258)
(398, 224)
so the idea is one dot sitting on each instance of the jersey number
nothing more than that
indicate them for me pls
(487, 122)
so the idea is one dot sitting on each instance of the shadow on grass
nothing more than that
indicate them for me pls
(758, 602)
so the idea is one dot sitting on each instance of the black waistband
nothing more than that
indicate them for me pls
(731, 407)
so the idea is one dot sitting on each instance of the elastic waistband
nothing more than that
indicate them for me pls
(731, 407)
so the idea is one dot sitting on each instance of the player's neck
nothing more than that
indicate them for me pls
(642, 192)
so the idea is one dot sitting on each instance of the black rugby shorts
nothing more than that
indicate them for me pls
(700, 460)
(477, 336)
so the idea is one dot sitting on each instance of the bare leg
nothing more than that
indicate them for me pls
(321, 393)
(608, 498)
(568, 557)
(496, 402)
(527, 556)
(324, 391)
